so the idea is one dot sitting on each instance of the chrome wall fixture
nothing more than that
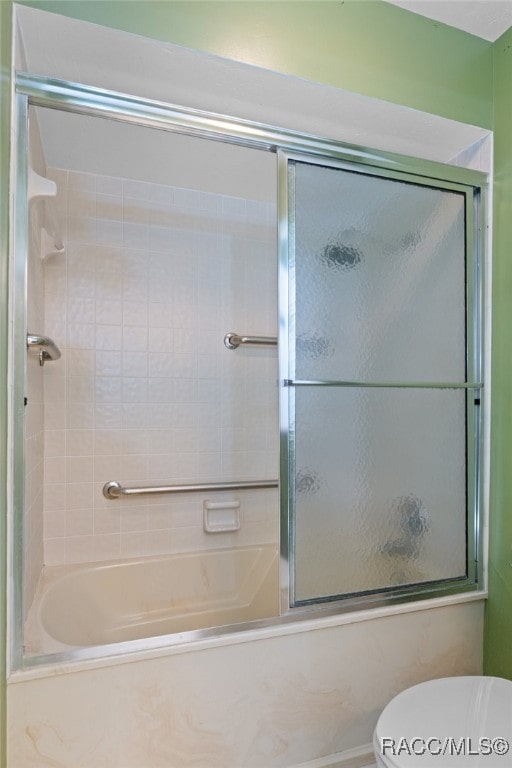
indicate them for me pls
(113, 489)
(48, 350)
(233, 341)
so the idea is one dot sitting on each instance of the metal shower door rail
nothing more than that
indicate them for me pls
(67, 96)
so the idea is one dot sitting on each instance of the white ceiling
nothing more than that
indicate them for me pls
(488, 19)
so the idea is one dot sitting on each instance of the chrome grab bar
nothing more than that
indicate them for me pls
(48, 350)
(113, 489)
(233, 341)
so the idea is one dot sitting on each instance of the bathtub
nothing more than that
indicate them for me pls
(112, 602)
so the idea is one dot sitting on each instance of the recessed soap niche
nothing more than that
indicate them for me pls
(221, 516)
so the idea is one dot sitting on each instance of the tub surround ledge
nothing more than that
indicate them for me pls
(285, 699)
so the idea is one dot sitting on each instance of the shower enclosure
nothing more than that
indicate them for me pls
(235, 402)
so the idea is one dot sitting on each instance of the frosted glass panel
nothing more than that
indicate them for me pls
(380, 489)
(379, 278)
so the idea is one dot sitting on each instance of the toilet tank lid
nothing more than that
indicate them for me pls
(451, 708)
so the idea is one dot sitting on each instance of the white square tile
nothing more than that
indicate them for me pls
(186, 465)
(54, 523)
(185, 391)
(108, 415)
(107, 546)
(80, 362)
(160, 440)
(79, 442)
(135, 235)
(108, 363)
(81, 203)
(79, 469)
(81, 230)
(160, 340)
(108, 261)
(79, 495)
(162, 466)
(54, 414)
(159, 517)
(105, 468)
(159, 542)
(80, 335)
(55, 496)
(79, 522)
(81, 181)
(55, 551)
(55, 470)
(135, 313)
(184, 366)
(109, 232)
(134, 441)
(134, 519)
(107, 389)
(135, 339)
(54, 443)
(107, 520)
(108, 337)
(134, 468)
(209, 390)
(109, 207)
(109, 312)
(160, 313)
(107, 442)
(135, 364)
(137, 415)
(209, 466)
(160, 364)
(133, 544)
(134, 389)
(80, 310)
(79, 549)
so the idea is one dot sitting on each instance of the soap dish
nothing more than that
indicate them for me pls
(221, 516)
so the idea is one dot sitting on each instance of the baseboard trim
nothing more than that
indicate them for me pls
(359, 757)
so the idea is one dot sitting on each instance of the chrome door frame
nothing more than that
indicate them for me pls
(474, 269)
(77, 98)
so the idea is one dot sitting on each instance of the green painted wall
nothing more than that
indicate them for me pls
(369, 47)
(498, 625)
(5, 56)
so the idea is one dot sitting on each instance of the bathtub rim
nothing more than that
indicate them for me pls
(53, 577)
(95, 657)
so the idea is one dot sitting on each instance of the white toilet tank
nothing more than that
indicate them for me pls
(463, 722)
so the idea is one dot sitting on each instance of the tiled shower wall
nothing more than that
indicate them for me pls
(145, 392)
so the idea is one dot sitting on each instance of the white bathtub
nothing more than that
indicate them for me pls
(99, 603)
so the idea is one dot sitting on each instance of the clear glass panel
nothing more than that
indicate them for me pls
(379, 278)
(169, 245)
(380, 489)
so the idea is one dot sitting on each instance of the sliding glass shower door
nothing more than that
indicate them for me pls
(381, 381)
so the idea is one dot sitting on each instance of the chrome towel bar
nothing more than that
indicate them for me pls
(233, 341)
(113, 489)
(48, 350)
